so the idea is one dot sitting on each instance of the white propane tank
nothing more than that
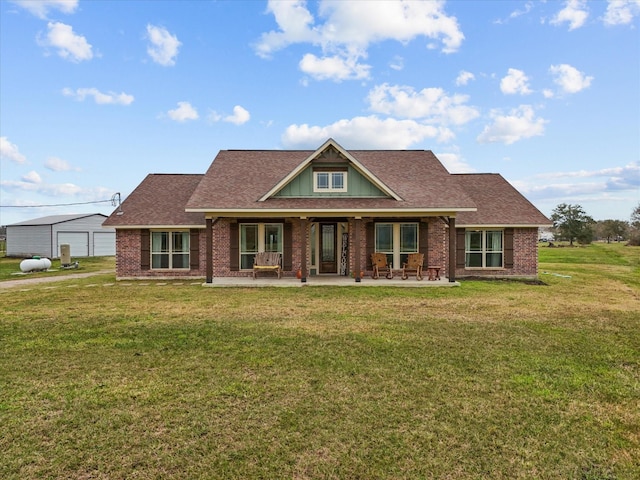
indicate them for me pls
(35, 264)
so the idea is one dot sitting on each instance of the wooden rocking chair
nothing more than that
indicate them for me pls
(413, 264)
(267, 262)
(379, 262)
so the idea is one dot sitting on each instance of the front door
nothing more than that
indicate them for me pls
(328, 251)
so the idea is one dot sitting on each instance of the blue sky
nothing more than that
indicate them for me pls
(94, 95)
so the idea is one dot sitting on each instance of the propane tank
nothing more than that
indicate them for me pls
(35, 264)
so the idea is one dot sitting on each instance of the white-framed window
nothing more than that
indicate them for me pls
(397, 240)
(170, 249)
(330, 181)
(484, 249)
(258, 237)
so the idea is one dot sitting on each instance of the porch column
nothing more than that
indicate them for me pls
(356, 251)
(303, 249)
(452, 249)
(209, 253)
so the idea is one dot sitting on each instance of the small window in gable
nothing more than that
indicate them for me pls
(329, 181)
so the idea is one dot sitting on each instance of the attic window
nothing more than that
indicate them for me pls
(329, 181)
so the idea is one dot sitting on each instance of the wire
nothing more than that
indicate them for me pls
(54, 204)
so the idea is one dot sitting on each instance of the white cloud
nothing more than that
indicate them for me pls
(464, 78)
(575, 13)
(431, 104)
(569, 78)
(344, 30)
(10, 151)
(100, 98)
(621, 12)
(454, 163)
(57, 189)
(40, 8)
(627, 176)
(183, 113)
(515, 82)
(519, 124)
(163, 47)
(364, 132)
(397, 63)
(597, 187)
(239, 117)
(333, 68)
(69, 45)
(58, 165)
(32, 177)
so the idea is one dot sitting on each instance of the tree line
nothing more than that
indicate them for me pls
(571, 223)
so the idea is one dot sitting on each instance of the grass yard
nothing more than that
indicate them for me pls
(495, 380)
(10, 267)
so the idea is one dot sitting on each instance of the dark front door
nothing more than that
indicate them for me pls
(328, 251)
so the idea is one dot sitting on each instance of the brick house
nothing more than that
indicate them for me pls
(326, 211)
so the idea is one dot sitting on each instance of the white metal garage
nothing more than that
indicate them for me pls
(43, 236)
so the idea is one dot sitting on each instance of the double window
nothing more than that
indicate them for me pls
(330, 181)
(484, 249)
(170, 249)
(258, 237)
(397, 240)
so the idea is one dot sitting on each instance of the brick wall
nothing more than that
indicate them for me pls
(525, 258)
(128, 258)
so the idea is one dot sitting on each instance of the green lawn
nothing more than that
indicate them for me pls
(496, 380)
(10, 267)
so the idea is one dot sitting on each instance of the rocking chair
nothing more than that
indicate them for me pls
(379, 262)
(413, 264)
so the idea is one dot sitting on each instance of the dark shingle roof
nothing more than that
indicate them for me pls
(499, 203)
(159, 201)
(237, 179)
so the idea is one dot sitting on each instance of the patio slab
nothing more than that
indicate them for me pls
(332, 281)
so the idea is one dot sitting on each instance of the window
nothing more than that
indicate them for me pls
(258, 237)
(329, 181)
(483, 249)
(397, 240)
(169, 249)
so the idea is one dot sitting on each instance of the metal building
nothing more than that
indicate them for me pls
(43, 236)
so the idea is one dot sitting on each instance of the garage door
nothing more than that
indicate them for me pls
(79, 242)
(104, 244)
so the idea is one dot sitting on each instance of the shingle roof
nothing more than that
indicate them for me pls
(499, 203)
(159, 201)
(55, 219)
(237, 179)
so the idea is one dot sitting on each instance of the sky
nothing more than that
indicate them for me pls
(95, 95)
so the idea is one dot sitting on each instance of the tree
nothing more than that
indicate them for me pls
(612, 229)
(634, 234)
(572, 223)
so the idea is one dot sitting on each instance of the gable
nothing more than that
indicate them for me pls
(357, 185)
(330, 157)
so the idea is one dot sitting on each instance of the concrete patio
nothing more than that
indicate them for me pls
(328, 281)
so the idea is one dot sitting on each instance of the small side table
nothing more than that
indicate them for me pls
(433, 273)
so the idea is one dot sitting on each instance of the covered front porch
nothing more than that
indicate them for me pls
(317, 250)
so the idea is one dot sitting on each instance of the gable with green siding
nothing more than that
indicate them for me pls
(302, 185)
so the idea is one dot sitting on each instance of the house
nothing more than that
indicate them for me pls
(43, 236)
(326, 211)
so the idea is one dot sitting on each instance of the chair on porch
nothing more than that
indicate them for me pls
(379, 262)
(267, 262)
(413, 264)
